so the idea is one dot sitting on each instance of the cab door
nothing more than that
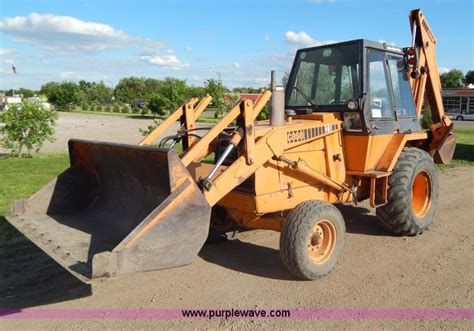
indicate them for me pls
(380, 110)
(403, 102)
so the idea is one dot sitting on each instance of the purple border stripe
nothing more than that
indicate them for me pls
(384, 314)
(34, 313)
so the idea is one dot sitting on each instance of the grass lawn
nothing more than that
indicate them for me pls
(21, 177)
(464, 153)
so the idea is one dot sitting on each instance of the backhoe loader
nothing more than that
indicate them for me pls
(345, 128)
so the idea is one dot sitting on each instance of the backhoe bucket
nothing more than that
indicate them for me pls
(117, 209)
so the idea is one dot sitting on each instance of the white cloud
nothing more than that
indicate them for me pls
(303, 39)
(6, 51)
(298, 38)
(236, 65)
(6, 55)
(166, 61)
(188, 49)
(443, 70)
(68, 74)
(69, 34)
(267, 37)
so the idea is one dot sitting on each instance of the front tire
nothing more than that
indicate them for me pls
(412, 195)
(220, 226)
(312, 239)
(459, 118)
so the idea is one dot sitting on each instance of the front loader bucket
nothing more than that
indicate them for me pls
(117, 209)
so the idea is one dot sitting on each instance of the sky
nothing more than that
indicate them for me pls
(236, 41)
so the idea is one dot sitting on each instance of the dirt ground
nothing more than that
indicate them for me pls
(118, 129)
(432, 271)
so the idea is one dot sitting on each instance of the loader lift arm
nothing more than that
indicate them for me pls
(425, 82)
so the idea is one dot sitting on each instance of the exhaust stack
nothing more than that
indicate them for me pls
(277, 105)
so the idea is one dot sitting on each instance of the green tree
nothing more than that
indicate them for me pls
(217, 90)
(469, 78)
(230, 100)
(452, 79)
(63, 95)
(27, 125)
(173, 92)
(244, 90)
(129, 89)
(49, 90)
(152, 85)
(157, 104)
(95, 92)
(26, 93)
(195, 92)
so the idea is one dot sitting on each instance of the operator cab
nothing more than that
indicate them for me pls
(367, 82)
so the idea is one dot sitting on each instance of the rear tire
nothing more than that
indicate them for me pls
(312, 239)
(459, 118)
(412, 195)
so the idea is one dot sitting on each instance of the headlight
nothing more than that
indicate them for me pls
(352, 104)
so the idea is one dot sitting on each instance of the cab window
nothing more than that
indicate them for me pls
(380, 102)
(403, 96)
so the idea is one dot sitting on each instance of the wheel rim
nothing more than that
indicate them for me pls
(421, 194)
(321, 241)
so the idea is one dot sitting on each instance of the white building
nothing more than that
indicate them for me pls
(459, 103)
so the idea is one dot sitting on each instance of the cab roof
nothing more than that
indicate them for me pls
(364, 43)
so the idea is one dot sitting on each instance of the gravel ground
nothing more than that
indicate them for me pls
(463, 124)
(432, 271)
(118, 129)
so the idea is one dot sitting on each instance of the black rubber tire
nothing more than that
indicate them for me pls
(217, 232)
(295, 234)
(459, 118)
(397, 215)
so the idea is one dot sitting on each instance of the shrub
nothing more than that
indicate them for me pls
(27, 125)
(93, 107)
(150, 128)
(116, 108)
(125, 109)
(157, 104)
(85, 106)
(108, 108)
(224, 105)
(264, 114)
(426, 119)
(144, 111)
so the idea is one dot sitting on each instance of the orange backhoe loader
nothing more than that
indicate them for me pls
(344, 129)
